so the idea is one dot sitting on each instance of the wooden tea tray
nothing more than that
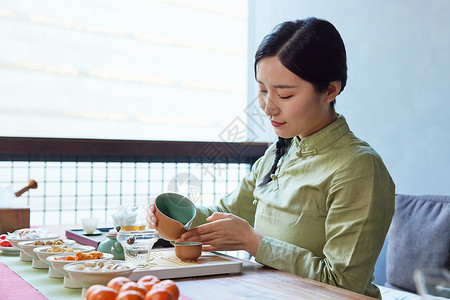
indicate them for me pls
(166, 265)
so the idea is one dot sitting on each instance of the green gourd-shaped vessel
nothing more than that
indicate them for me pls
(111, 245)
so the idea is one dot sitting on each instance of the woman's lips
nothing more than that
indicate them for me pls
(276, 124)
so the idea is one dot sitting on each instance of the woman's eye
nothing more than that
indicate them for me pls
(286, 97)
(262, 91)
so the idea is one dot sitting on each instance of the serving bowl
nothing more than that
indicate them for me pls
(42, 254)
(86, 278)
(27, 248)
(39, 236)
(58, 264)
(137, 245)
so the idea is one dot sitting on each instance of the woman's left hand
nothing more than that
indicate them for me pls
(224, 232)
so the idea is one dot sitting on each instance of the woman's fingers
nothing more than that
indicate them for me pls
(151, 204)
(217, 216)
(194, 233)
(210, 248)
(219, 231)
(151, 219)
(209, 238)
(224, 232)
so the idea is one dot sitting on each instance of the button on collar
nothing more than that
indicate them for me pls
(304, 153)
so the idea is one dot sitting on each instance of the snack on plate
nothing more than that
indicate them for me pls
(47, 243)
(101, 266)
(57, 248)
(27, 234)
(82, 256)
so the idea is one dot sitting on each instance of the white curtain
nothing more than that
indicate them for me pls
(140, 69)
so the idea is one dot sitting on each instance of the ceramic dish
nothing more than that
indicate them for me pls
(9, 250)
(15, 241)
(24, 257)
(86, 278)
(58, 265)
(43, 254)
(28, 233)
(28, 246)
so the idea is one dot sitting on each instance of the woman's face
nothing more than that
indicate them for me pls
(291, 103)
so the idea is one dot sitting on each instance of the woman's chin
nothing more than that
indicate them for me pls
(283, 135)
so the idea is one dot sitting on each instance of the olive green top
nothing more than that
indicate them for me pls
(326, 212)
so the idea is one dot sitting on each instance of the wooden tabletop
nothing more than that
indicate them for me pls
(260, 282)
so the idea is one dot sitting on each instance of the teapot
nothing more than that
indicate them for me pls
(111, 245)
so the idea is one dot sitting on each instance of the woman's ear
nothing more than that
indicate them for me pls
(334, 88)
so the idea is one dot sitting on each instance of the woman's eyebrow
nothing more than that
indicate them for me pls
(284, 86)
(281, 86)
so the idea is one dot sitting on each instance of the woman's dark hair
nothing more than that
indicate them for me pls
(313, 50)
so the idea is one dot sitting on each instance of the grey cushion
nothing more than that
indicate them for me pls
(419, 237)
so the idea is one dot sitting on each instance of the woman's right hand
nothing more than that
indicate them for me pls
(152, 222)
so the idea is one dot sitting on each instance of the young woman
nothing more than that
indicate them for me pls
(320, 201)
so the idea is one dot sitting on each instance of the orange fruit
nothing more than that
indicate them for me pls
(130, 295)
(169, 286)
(116, 283)
(132, 286)
(148, 281)
(158, 294)
(102, 293)
(91, 289)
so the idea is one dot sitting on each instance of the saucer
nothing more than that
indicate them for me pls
(97, 232)
(9, 250)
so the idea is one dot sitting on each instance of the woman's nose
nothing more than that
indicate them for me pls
(269, 106)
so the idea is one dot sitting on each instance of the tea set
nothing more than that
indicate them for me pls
(175, 214)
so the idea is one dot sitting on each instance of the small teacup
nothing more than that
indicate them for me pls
(175, 214)
(89, 225)
(188, 251)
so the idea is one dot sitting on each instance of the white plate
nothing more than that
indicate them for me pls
(43, 254)
(28, 246)
(15, 241)
(59, 264)
(9, 250)
(87, 278)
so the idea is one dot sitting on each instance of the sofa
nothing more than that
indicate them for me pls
(419, 237)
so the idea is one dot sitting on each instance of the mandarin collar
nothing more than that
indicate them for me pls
(321, 139)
